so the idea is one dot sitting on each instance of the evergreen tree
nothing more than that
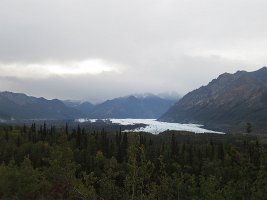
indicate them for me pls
(249, 128)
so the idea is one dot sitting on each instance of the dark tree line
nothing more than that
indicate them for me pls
(48, 162)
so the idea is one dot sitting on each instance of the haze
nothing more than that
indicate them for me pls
(96, 50)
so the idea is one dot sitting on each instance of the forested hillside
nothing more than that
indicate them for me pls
(62, 163)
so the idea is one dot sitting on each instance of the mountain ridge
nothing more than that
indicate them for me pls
(132, 106)
(21, 106)
(231, 99)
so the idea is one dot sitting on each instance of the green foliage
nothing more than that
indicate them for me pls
(41, 162)
(19, 182)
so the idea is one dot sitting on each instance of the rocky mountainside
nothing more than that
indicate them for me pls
(231, 99)
(150, 106)
(21, 106)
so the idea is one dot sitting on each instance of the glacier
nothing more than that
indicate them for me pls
(153, 126)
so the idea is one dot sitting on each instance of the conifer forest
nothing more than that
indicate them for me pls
(48, 162)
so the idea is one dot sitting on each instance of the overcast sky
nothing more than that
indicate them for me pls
(100, 49)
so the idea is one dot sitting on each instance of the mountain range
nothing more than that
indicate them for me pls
(144, 107)
(22, 107)
(229, 100)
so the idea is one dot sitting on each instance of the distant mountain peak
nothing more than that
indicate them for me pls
(166, 95)
(131, 97)
(263, 69)
(224, 75)
(132, 106)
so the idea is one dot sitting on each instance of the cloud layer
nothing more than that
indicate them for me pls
(97, 49)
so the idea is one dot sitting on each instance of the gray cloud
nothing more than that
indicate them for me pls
(156, 45)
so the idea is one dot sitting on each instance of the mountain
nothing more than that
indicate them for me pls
(21, 106)
(134, 106)
(85, 107)
(231, 99)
